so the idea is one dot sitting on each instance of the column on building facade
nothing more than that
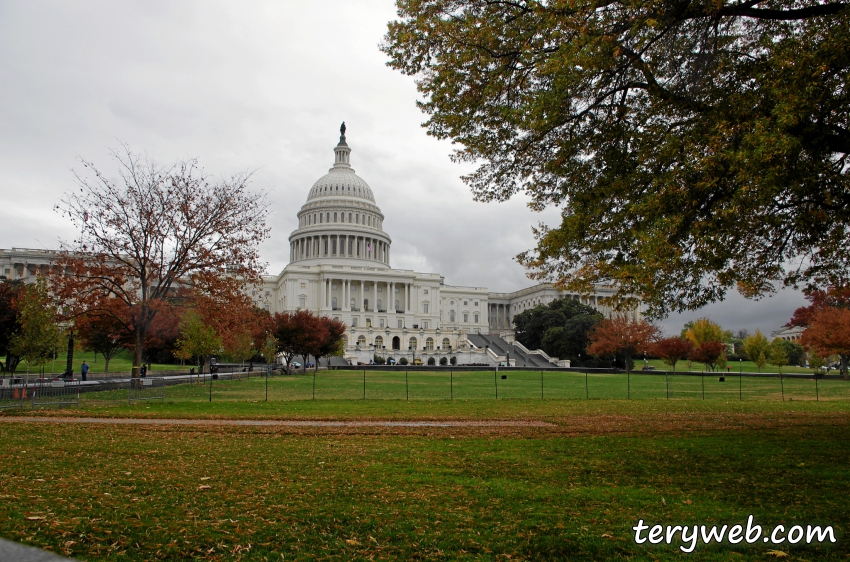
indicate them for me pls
(362, 296)
(375, 293)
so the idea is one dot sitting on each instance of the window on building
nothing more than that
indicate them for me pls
(476, 318)
(334, 217)
(354, 322)
(451, 316)
(446, 343)
(424, 325)
(425, 308)
(333, 303)
(368, 322)
(379, 342)
(465, 303)
(382, 322)
(412, 343)
(465, 318)
(400, 324)
(352, 304)
(476, 303)
(425, 291)
(380, 306)
(396, 305)
(429, 344)
(302, 302)
(361, 341)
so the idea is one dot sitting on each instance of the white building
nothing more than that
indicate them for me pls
(339, 267)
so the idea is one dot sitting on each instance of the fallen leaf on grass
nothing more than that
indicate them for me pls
(352, 542)
(205, 478)
(35, 517)
(689, 502)
(204, 487)
(777, 553)
(607, 536)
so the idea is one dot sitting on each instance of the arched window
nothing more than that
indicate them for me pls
(396, 305)
(352, 304)
(476, 318)
(396, 342)
(361, 341)
(451, 316)
(344, 342)
(413, 343)
(429, 344)
(333, 303)
(357, 218)
(379, 342)
(379, 304)
(327, 217)
(334, 217)
(446, 343)
(366, 304)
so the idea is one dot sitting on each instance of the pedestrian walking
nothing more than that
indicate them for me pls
(144, 371)
(84, 369)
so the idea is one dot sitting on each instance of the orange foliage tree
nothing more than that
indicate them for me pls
(154, 232)
(673, 350)
(708, 353)
(828, 333)
(623, 336)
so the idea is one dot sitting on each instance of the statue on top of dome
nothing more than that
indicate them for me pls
(342, 129)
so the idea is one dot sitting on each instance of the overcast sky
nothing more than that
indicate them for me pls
(259, 86)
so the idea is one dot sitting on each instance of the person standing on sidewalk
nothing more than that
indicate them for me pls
(84, 369)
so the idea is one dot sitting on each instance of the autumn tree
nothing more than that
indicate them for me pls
(623, 336)
(154, 231)
(104, 333)
(692, 147)
(39, 334)
(672, 350)
(756, 347)
(828, 334)
(776, 354)
(331, 344)
(197, 338)
(708, 353)
(703, 330)
(295, 333)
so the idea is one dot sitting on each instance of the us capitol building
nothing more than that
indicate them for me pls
(339, 266)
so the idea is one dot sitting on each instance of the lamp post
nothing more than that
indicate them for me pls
(740, 366)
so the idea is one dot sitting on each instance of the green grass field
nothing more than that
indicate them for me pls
(486, 385)
(123, 362)
(570, 490)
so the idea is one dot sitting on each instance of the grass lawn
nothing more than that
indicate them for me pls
(571, 490)
(438, 386)
(123, 362)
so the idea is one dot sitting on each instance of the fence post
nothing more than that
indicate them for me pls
(740, 387)
(451, 385)
(702, 376)
(667, 384)
(211, 379)
(406, 387)
(628, 385)
(268, 370)
(541, 384)
(314, 385)
(364, 384)
(496, 381)
(817, 393)
(586, 391)
(782, 386)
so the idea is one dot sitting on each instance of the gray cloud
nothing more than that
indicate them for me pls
(259, 86)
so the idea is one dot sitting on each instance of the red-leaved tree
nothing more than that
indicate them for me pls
(672, 350)
(708, 353)
(828, 333)
(622, 336)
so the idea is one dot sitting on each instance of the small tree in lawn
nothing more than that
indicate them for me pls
(103, 333)
(296, 334)
(332, 344)
(756, 346)
(621, 335)
(39, 333)
(777, 355)
(708, 353)
(197, 339)
(829, 334)
(673, 350)
(269, 349)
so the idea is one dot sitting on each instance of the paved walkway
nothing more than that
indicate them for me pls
(275, 423)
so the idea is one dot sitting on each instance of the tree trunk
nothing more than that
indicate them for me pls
(137, 354)
(106, 359)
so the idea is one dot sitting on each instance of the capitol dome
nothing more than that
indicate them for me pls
(340, 220)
